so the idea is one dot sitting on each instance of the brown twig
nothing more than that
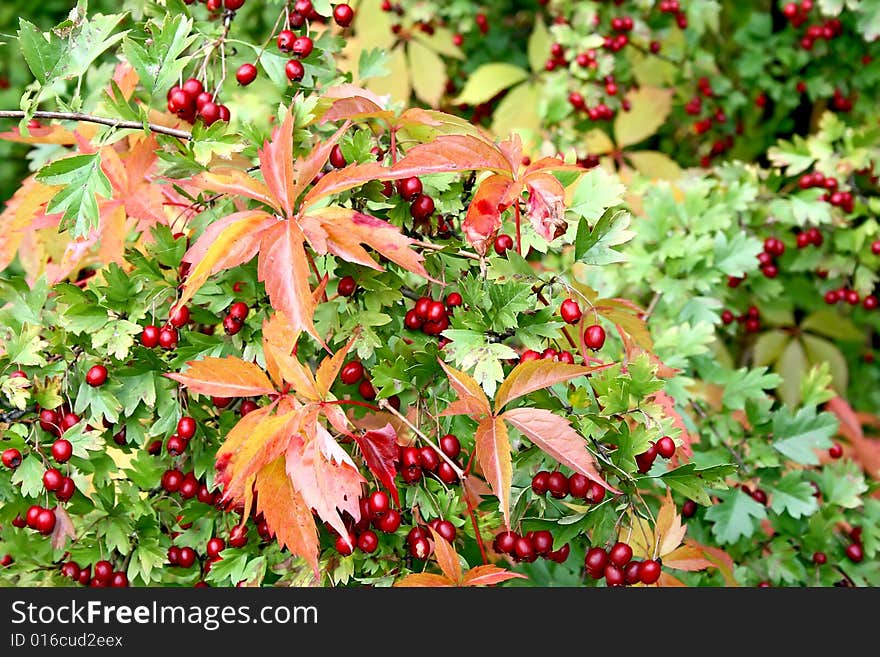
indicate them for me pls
(102, 120)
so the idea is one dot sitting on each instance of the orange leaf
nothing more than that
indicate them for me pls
(666, 580)
(355, 103)
(236, 182)
(224, 377)
(325, 485)
(867, 451)
(484, 213)
(546, 205)
(555, 436)
(351, 176)
(686, 557)
(45, 134)
(423, 580)
(720, 560)
(285, 270)
(18, 216)
(279, 340)
(487, 575)
(305, 170)
(328, 370)
(276, 165)
(453, 153)
(493, 454)
(472, 400)
(286, 513)
(226, 243)
(447, 558)
(669, 530)
(535, 375)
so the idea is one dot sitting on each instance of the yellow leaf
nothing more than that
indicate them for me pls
(20, 212)
(447, 558)
(650, 107)
(396, 84)
(539, 46)
(493, 454)
(596, 142)
(488, 80)
(440, 42)
(654, 165)
(373, 26)
(518, 111)
(428, 73)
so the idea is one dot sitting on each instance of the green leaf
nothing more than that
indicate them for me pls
(538, 46)
(43, 53)
(30, 475)
(596, 191)
(842, 484)
(160, 64)
(488, 80)
(692, 482)
(82, 179)
(116, 338)
(594, 248)
(784, 563)
(769, 346)
(94, 37)
(822, 352)
(472, 352)
(428, 73)
(797, 436)
(743, 385)
(373, 63)
(735, 517)
(792, 366)
(832, 325)
(738, 255)
(793, 495)
(26, 347)
(212, 141)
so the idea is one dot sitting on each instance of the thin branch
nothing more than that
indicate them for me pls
(651, 306)
(89, 118)
(384, 405)
(438, 247)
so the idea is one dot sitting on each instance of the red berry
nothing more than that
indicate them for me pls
(774, 246)
(595, 561)
(854, 552)
(221, 402)
(503, 243)
(285, 40)
(523, 549)
(378, 503)
(186, 427)
(819, 558)
(239, 310)
(62, 450)
(594, 337)
(542, 542)
(215, 547)
(171, 480)
(12, 458)
(45, 521)
(835, 451)
(422, 207)
(409, 188)
(52, 479)
(346, 547)
(420, 548)
(446, 473)
(49, 421)
(343, 15)
(368, 541)
(412, 321)
(450, 446)
(233, 5)
(557, 484)
(596, 493)
(570, 311)
(176, 445)
(302, 46)
(428, 458)
(688, 509)
(646, 459)
(246, 74)
(96, 376)
(366, 390)
(179, 317)
(104, 570)
(453, 300)
(649, 571)
(445, 529)
(560, 555)
(231, 326)
(620, 554)
(540, 482)
(870, 302)
(578, 485)
(70, 570)
(189, 487)
(68, 421)
(294, 70)
(31, 516)
(66, 490)
(614, 575)
(150, 336)
(505, 543)
(346, 286)
(631, 572)
(351, 372)
(666, 447)
(389, 522)
(168, 337)
(187, 557)
(238, 536)
(875, 247)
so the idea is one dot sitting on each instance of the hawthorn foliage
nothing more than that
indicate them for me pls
(430, 296)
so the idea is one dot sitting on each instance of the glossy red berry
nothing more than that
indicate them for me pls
(96, 376)
(595, 561)
(854, 552)
(445, 529)
(62, 450)
(346, 286)
(450, 446)
(560, 555)
(543, 542)
(168, 337)
(631, 572)
(378, 503)
(238, 536)
(646, 459)
(666, 447)
(65, 490)
(453, 300)
(819, 558)
(505, 543)
(368, 541)
(428, 458)
(422, 207)
(557, 484)
(52, 479)
(594, 337)
(688, 509)
(620, 554)
(351, 372)
(294, 70)
(239, 310)
(503, 243)
(214, 547)
(302, 46)
(578, 485)
(337, 159)
(614, 575)
(31, 516)
(12, 458)
(285, 40)
(150, 336)
(49, 421)
(176, 445)
(346, 547)
(446, 473)
(171, 480)
(186, 427)
(523, 549)
(649, 571)
(389, 522)
(540, 482)
(45, 521)
(343, 15)
(246, 74)
(570, 311)
(366, 390)
(420, 548)
(835, 451)
(179, 317)
(187, 557)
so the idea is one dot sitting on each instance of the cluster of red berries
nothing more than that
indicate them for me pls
(430, 316)
(234, 319)
(188, 486)
(617, 567)
(548, 354)
(674, 7)
(757, 494)
(353, 373)
(855, 551)
(811, 236)
(559, 486)
(421, 205)
(414, 461)
(179, 441)
(530, 546)
(376, 510)
(217, 5)
(664, 448)
(851, 297)
(38, 518)
(185, 557)
(104, 576)
(166, 337)
(58, 420)
(773, 248)
(61, 485)
(190, 101)
(593, 336)
(843, 103)
(798, 14)
(843, 200)
(751, 319)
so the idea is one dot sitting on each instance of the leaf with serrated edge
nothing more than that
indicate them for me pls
(235, 182)
(279, 341)
(555, 436)
(276, 165)
(488, 575)
(224, 377)
(535, 375)
(472, 400)
(483, 218)
(423, 580)
(379, 447)
(447, 558)
(328, 370)
(493, 454)
(453, 153)
(286, 513)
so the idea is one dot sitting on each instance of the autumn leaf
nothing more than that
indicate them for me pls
(64, 529)
(471, 398)
(555, 436)
(488, 575)
(18, 216)
(493, 455)
(667, 403)
(447, 558)
(286, 512)
(379, 447)
(224, 377)
(424, 580)
(535, 375)
(483, 219)
(867, 451)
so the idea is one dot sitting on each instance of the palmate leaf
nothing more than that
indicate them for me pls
(81, 179)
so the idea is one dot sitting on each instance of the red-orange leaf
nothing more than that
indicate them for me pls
(227, 243)
(276, 165)
(286, 512)
(453, 153)
(534, 375)
(471, 398)
(488, 575)
(379, 447)
(667, 402)
(352, 102)
(484, 213)
(555, 436)
(546, 205)
(284, 268)
(325, 485)
(447, 558)
(224, 377)
(279, 340)
(328, 370)
(423, 580)
(493, 455)
(305, 170)
(19, 215)
(235, 182)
